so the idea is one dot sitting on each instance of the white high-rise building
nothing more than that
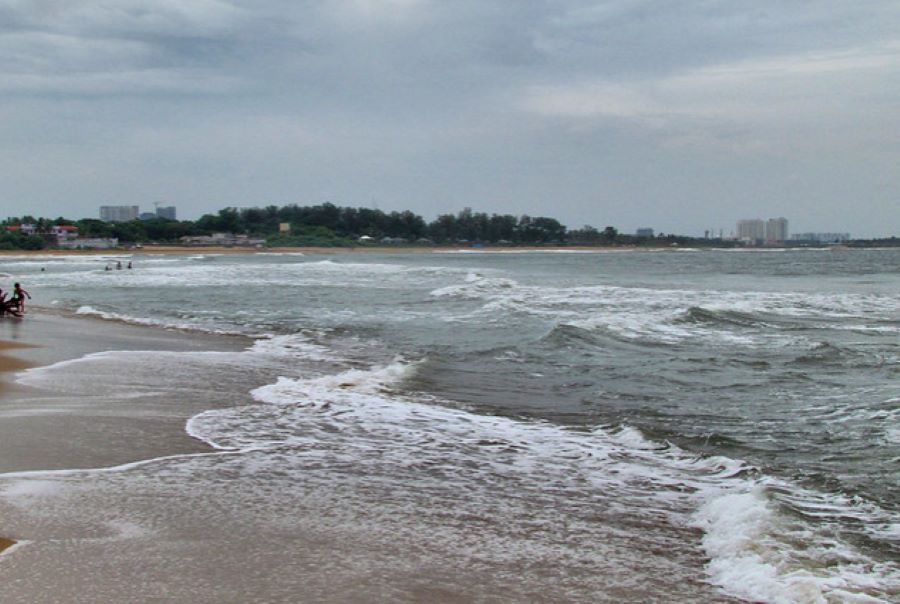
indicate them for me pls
(776, 230)
(119, 213)
(751, 231)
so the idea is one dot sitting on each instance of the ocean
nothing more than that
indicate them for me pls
(495, 426)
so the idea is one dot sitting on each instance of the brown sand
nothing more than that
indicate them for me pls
(35, 441)
(6, 345)
(9, 363)
(48, 430)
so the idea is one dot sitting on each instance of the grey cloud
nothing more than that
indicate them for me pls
(125, 17)
(625, 112)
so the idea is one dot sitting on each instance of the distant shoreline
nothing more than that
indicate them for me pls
(207, 249)
(176, 249)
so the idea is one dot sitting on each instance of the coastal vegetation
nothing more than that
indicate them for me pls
(328, 225)
(324, 225)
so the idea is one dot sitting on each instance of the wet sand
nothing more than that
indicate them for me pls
(46, 431)
(9, 363)
(38, 432)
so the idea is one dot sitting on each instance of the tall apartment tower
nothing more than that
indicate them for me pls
(118, 213)
(776, 230)
(166, 212)
(752, 231)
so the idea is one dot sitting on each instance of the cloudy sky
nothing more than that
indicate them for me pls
(682, 116)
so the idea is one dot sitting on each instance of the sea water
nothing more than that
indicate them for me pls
(610, 426)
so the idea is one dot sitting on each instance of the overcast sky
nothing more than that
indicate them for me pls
(681, 116)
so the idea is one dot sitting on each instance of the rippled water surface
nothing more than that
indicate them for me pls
(659, 423)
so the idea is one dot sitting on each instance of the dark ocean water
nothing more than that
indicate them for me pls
(680, 425)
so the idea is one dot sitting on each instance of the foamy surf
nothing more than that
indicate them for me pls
(575, 416)
(753, 548)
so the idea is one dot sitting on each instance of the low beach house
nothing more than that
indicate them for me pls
(222, 239)
(55, 235)
(89, 243)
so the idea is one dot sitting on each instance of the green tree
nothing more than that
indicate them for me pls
(610, 234)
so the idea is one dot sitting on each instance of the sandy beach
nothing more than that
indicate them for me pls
(8, 360)
(41, 431)
(8, 364)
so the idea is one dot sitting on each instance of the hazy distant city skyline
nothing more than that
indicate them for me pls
(633, 113)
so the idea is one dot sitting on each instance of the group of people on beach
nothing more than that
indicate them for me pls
(16, 304)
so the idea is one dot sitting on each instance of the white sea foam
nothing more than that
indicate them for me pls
(293, 346)
(30, 488)
(163, 322)
(365, 420)
(476, 286)
(760, 554)
(90, 310)
(658, 314)
(755, 551)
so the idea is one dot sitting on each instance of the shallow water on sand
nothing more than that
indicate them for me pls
(558, 426)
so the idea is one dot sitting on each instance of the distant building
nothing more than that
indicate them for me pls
(63, 233)
(821, 237)
(222, 239)
(284, 227)
(752, 231)
(89, 243)
(24, 228)
(644, 232)
(118, 213)
(146, 215)
(167, 212)
(776, 230)
(56, 234)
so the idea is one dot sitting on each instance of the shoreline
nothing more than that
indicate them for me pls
(40, 432)
(10, 364)
(46, 427)
(175, 250)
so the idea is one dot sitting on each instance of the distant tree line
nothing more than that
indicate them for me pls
(324, 224)
(330, 225)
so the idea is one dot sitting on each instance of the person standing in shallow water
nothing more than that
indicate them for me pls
(19, 297)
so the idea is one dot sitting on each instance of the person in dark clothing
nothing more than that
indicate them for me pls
(18, 297)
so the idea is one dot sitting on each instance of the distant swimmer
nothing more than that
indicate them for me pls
(118, 266)
(129, 264)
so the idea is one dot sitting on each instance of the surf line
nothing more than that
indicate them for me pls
(129, 465)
